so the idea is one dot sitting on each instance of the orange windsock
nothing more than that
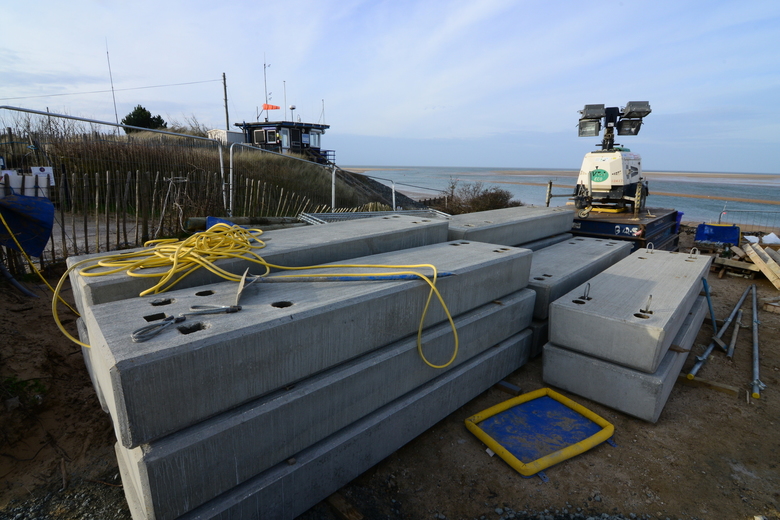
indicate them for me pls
(266, 106)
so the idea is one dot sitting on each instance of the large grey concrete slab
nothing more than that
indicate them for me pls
(559, 268)
(296, 247)
(285, 332)
(247, 440)
(540, 330)
(511, 226)
(536, 245)
(287, 490)
(610, 323)
(629, 391)
(83, 333)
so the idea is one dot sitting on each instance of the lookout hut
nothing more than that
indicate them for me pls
(288, 137)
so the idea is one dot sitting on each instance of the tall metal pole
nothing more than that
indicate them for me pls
(757, 384)
(227, 118)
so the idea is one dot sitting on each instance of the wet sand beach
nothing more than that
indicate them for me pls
(715, 177)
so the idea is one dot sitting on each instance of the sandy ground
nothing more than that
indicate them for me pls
(712, 455)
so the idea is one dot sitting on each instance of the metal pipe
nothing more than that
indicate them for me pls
(733, 343)
(703, 358)
(24, 290)
(709, 302)
(757, 384)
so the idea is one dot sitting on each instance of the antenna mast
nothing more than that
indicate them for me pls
(111, 78)
(227, 118)
(265, 84)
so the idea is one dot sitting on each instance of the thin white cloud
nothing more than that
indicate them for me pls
(409, 69)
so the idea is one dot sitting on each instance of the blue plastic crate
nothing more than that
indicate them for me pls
(717, 235)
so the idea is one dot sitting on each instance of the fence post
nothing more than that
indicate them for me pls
(333, 190)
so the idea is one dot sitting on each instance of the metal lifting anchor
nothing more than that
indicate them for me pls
(150, 331)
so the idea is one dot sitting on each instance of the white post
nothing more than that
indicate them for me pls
(394, 206)
(333, 191)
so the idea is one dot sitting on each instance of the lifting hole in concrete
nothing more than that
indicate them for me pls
(204, 293)
(161, 301)
(155, 317)
(538, 278)
(579, 302)
(547, 275)
(189, 329)
(642, 257)
(642, 316)
(281, 305)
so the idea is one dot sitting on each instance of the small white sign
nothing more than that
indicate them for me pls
(44, 170)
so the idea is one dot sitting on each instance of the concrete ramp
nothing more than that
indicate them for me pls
(629, 391)
(630, 313)
(286, 332)
(511, 226)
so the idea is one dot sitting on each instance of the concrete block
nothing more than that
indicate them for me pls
(288, 490)
(292, 247)
(632, 310)
(629, 391)
(247, 440)
(285, 333)
(540, 330)
(557, 269)
(81, 327)
(546, 242)
(511, 226)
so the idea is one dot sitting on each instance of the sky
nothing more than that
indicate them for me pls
(488, 83)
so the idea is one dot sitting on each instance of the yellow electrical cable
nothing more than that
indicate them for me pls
(223, 241)
(32, 265)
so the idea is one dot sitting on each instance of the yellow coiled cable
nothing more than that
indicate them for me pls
(222, 241)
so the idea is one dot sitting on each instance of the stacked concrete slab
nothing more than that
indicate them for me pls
(630, 391)
(289, 247)
(624, 321)
(295, 247)
(559, 268)
(511, 226)
(265, 412)
(219, 401)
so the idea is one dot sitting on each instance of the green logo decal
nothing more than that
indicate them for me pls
(599, 175)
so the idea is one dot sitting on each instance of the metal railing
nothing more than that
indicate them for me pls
(751, 220)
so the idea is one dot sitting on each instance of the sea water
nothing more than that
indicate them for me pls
(701, 199)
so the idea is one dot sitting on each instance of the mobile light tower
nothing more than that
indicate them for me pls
(611, 179)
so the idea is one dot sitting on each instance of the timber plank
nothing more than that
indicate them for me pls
(736, 264)
(773, 274)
